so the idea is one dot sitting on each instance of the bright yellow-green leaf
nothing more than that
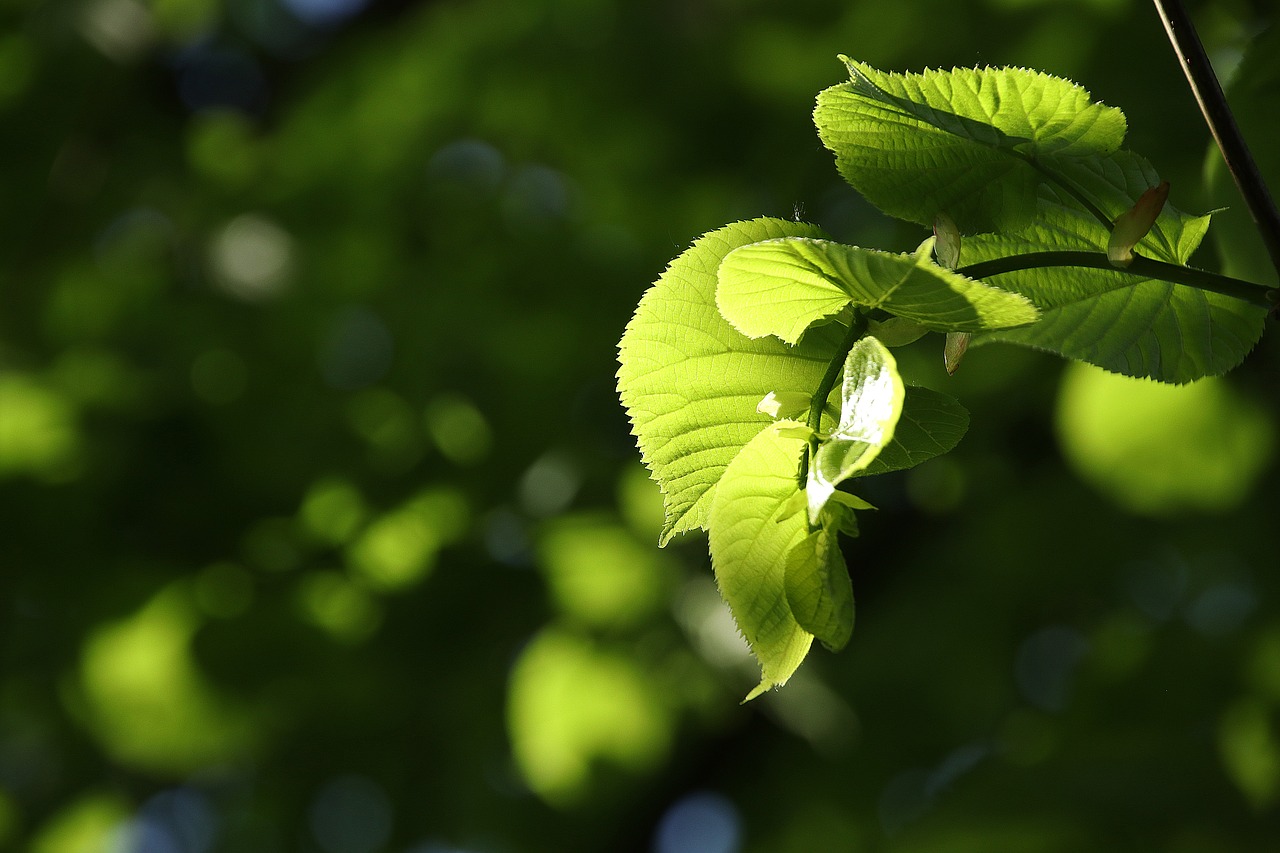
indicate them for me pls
(973, 142)
(871, 401)
(754, 526)
(691, 384)
(782, 287)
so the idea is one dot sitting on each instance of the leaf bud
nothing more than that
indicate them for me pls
(947, 246)
(1132, 225)
(953, 350)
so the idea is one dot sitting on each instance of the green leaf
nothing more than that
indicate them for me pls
(973, 143)
(871, 401)
(1118, 321)
(782, 287)
(1113, 184)
(931, 424)
(818, 587)
(754, 526)
(691, 384)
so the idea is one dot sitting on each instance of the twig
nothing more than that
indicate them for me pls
(1142, 267)
(1217, 114)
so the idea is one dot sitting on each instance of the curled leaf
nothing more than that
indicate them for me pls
(871, 403)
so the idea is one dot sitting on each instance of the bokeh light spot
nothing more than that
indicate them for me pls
(1222, 608)
(251, 258)
(324, 12)
(332, 511)
(177, 820)
(1250, 751)
(467, 168)
(85, 826)
(1160, 449)
(458, 428)
(389, 426)
(399, 549)
(640, 502)
(536, 199)
(343, 609)
(144, 696)
(702, 822)
(120, 29)
(222, 148)
(572, 704)
(548, 486)
(600, 575)
(39, 434)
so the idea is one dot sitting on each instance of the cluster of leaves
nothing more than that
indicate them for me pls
(757, 372)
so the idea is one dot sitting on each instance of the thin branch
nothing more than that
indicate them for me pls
(1255, 294)
(1222, 124)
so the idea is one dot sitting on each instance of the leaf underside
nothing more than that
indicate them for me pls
(971, 142)
(754, 528)
(782, 287)
(1122, 323)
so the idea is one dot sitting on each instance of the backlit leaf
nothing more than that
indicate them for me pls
(782, 287)
(871, 401)
(754, 527)
(975, 143)
(1118, 321)
(691, 384)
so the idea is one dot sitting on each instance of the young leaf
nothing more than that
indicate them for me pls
(974, 142)
(782, 287)
(1118, 321)
(754, 526)
(871, 402)
(818, 588)
(691, 384)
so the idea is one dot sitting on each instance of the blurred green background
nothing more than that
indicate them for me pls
(321, 527)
